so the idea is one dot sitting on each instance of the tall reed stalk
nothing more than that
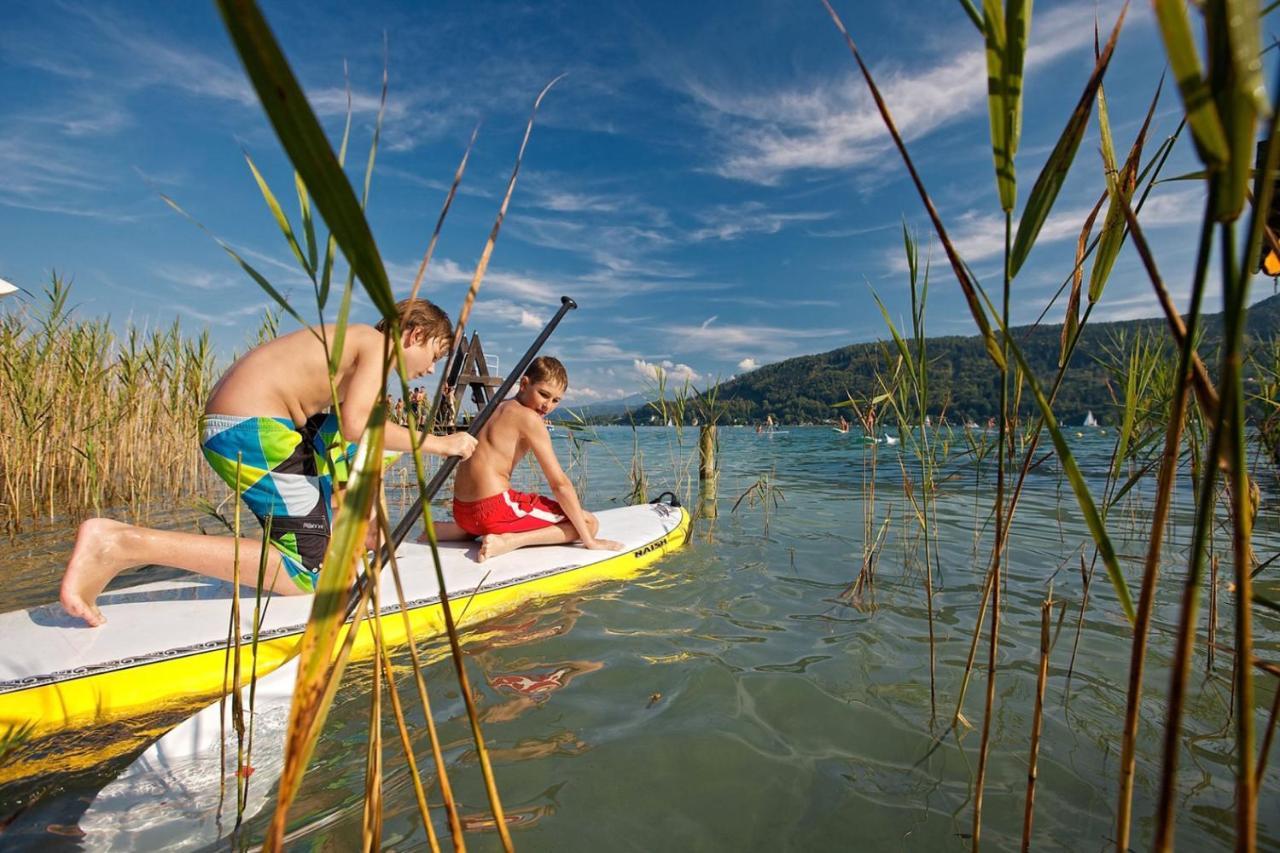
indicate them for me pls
(1222, 109)
(96, 419)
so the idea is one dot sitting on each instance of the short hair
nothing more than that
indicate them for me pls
(545, 368)
(425, 319)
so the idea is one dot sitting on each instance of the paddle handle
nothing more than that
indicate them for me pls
(406, 523)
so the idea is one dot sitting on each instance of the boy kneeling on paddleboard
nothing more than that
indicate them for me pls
(485, 505)
(268, 421)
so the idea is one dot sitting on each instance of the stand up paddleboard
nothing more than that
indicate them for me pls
(165, 644)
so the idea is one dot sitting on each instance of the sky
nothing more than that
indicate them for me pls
(709, 181)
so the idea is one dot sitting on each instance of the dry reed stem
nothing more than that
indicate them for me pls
(372, 822)
(1267, 737)
(1003, 452)
(967, 284)
(1042, 677)
(1165, 482)
(402, 728)
(96, 420)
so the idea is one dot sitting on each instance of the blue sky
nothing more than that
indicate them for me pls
(710, 182)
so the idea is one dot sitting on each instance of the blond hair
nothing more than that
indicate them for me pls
(424, 320)
(545, 368)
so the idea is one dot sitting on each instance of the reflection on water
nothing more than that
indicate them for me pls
(734, 698)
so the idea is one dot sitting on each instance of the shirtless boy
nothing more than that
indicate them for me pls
(484, 503)
(271, 411)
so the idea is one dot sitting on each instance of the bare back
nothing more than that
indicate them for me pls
(289, 377)
(502, 443)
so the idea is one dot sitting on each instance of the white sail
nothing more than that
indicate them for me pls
(1090, 420)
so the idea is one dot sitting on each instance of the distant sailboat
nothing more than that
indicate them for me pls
(1090, 420)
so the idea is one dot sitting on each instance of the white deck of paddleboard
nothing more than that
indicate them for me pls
(175, 617)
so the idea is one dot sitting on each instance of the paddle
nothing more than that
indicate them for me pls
(170, 781)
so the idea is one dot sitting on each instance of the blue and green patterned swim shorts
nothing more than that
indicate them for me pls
(285, 474)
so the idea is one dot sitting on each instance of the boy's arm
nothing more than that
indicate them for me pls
(535, 432)
(364, 388)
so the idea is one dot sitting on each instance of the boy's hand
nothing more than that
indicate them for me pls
(459, 444)
(602, 545)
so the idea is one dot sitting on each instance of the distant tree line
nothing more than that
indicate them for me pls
(964, 384)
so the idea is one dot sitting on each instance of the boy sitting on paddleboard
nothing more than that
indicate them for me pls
(270, 413)
(485, 505)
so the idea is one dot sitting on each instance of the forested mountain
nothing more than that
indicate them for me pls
(963, 381)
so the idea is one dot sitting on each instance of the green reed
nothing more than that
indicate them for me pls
(1223, 106)
(322, 187)
(909, 399)
(95, 418)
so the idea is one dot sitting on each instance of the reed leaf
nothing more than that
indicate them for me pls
(1202, 113)
(1045, 190)
(1130, 412)
(317, 679)
(1235, 80)
(1206, 394)
(258, 277)
(1006, 33)
(1071, 323)
(1088, 508)
(903, 350)
(308, 225)
(344, 309)
(326, 274)
(968, 285)
(972, 12)
(1120, 188)
(303, 139)
(282, 221)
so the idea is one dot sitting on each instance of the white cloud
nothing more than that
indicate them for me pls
(567, 202)
(731, 221)
(835, 124)
(446, 271)
(748, 364)
(505, 311)
(585, 394)
(155, 61)
(200, 278)
(742, 340)
(673, 372)
(979, 236)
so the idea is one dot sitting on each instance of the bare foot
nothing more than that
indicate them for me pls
(494, 545)
(90, 568)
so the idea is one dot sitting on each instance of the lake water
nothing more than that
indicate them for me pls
(736, 698)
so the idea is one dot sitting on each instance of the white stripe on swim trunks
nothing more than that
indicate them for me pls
(540, 514)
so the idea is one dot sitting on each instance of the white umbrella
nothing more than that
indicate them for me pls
(6, 288)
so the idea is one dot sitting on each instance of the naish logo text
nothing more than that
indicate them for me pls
(650, 548)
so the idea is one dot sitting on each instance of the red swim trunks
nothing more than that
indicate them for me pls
(506, 512)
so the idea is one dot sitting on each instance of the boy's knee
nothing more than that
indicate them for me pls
(593, 523)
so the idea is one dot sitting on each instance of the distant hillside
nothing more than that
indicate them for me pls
(961, 376)
(606, 409)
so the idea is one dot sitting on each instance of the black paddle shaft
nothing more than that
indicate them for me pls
(406, 524)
